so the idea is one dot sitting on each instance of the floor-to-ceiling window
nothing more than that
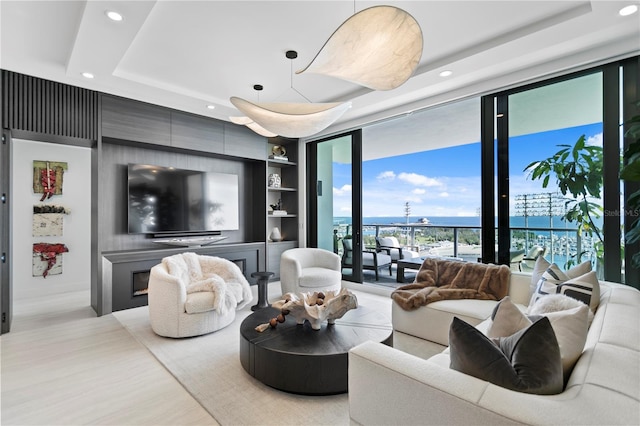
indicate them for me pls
(420, 177)
(559, 147)
(421, 180)
(464, 179)
(555, 171)
(335, 200)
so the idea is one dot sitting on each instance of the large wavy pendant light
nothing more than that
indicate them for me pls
(246, 121)
(291, 120)
(379, 47)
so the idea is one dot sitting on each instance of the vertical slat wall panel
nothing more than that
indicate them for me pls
(44, 106)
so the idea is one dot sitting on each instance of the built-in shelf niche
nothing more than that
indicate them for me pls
(287, 192)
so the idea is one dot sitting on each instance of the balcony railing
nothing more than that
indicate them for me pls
(561, 244)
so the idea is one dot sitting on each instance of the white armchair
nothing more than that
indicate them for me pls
(190, 294)
(309, 270)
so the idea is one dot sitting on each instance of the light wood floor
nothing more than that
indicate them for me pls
(62, 365)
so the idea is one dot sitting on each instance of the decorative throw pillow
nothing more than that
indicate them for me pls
(539, 268)
(553, 303)
(585, 288)
(527, 361)
(543, 264)
(506, 319)
(570, 325)
(389, 242)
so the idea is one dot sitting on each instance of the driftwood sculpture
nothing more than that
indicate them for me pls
(315, 307)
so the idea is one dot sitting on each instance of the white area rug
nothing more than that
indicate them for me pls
(209, 368)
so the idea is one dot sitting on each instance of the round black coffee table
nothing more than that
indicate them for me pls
(295, 358)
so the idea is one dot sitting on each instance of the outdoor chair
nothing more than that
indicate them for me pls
(529, 261)
(392, 246)
(371, 260)
(515, 257)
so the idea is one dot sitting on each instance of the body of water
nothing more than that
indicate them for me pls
(516, 221)
(560, 245)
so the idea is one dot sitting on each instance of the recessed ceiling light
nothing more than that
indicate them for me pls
(211, 106)
(628, 10)
(87, 75)
(446, 73)
(114, 16)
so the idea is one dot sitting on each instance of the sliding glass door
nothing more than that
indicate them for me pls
(570, 124)
(421, 181)
(335, 204)
(555, 171)
(558, 147)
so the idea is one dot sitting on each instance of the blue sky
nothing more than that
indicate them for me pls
(446, 182)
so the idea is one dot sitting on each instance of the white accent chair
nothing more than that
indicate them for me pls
(309, 269)
(191, 294)
(392, 246)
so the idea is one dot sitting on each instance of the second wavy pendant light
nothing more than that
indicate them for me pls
(379, 47)
(288, 119)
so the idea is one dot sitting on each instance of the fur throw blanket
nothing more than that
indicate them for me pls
(219, 276)
(440, 279)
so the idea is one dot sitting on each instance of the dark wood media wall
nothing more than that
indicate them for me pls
(113, 192)
(140, 133)
(121, 131)
(128, 270)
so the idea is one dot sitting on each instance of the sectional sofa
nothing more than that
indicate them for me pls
(388, 386)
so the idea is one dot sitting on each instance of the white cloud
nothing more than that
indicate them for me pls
(418, 180)
(595, 140)
(443, 195)
(386, 176)
(381, 199)
(416, 200)
(346, 189)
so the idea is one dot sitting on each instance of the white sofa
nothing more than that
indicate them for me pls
(432, 322)
(388, 386)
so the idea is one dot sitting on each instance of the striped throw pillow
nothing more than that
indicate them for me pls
(585, 288)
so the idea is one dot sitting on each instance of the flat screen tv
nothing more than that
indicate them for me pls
(171, 201)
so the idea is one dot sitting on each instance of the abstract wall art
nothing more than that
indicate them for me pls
(47, 259)
(47, 178)
(48, 220)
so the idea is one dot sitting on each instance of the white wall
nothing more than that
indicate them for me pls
(76, 196)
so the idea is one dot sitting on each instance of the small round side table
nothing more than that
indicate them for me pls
(263, 283)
